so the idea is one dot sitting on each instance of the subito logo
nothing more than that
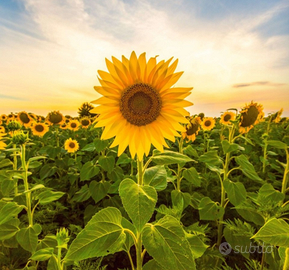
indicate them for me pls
(225, 248)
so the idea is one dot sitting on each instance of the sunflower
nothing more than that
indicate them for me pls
(251, 115)
(3, 117)
(10, 117)
(2, 129)
(227, 117)
(2, 144)
(39, 129)
(208, 123)
(73, 125)
(85, 122)
(192, 129)
(139, 107)
(71, 146)
(63, 126)
(24, 119)
(55, 118)
(277, 116)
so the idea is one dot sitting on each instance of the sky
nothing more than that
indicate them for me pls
(231, 52)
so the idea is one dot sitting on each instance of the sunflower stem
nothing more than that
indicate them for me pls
(26, 186)
(140, 172)
(285, 178)
(139, 252)
(15, 166)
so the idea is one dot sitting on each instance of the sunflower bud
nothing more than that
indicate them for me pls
(19, 138)
(13, 126)
(62, 237)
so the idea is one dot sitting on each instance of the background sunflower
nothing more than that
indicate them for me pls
(39, 129)
(227, 117)
(208, 123)
(71, 145)
(138, 106)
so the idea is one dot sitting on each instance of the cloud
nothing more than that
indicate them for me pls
(266, 83)
(11, 97)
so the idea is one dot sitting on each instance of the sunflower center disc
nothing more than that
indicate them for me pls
(227, 117)
(192, 129)
(85, 122)
(55, 118)
(71, 144)
(39, 128)
(24, 118)
(250, 117)
(73, 125)
(140, 104)
(207, 123)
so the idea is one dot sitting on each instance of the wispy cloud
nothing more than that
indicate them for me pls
(266, 83)
(11, 97)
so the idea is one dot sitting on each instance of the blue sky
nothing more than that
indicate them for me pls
(231, 51)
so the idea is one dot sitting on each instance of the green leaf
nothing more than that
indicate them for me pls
(189, 150)
(36, 158)
(89, 147)
(98, 190)
(102, 235)
(274, 232)
(198, 247)
(211, 158)
(82, 195)
(129, 242)
(7, 231)
(53, 263)
(123, 159)
(277, 144)
(236, 192)
(88, 170)
(47, 170)
(169, 157)
(166, 242)
(7, 186)
(107, 163)
(267, 194)
(42, 254)
(180, 199)
(49, 196)
(5, 163)
(138, 201)
(28, 239)
(210, 210)
(230, 147)
(100, 145)
(152, 265)
(192, 176)
(248, 169)
(156, 176)
(9, 211)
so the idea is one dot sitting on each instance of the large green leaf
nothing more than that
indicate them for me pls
(152, 265)
(138, 201)
(28, 238)
(107, 163)
(230, 147)
(98, 190)
(198, 247)
(8, 211)
(211, 158)
(88, 170)
(247, 168)
(268, 195)
(49, 196)
(274, 232)
(277, 144)
(157, 177)
(210, 210)
(236, 192)
(166, 242)
(42, 254)
(192, 176)
(102, 235)
(169, 157)
(7, 231)
(5, 163)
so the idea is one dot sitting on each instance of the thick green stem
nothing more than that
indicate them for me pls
(179, 178)
(140, 172)
(285, 178)
(139, 252)
(286, 263)
(15, 167)
(59, 259)
(26, 186)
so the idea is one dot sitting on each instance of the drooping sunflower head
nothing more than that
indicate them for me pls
(227, 117)
(201, 115)
(39, 129)
(73, 125)
(208, 123)
(55, 118)
(24, 118)
(85, 122)
(251, 115)
(138, 106)
(71, 146)
(13, 126)
(192, 129)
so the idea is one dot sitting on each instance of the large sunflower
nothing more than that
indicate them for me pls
(251, 115)
(192, 129)
(139, 107)
(227, 117)
(71, 146)
(24, 119)
(55, 118)
(208, 123)
(39, 129)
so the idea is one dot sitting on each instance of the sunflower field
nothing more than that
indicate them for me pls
(138, 183)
